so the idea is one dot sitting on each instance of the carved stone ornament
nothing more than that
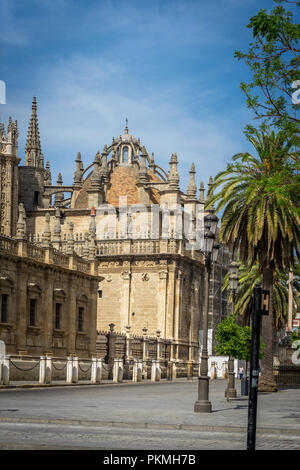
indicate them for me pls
(145, 277)
(126, 275)
(163, 274)
(108, 277)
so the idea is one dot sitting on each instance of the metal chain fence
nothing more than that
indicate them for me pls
(24, 370)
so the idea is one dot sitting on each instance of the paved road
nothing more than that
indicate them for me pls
(143, 416)
(51, 436)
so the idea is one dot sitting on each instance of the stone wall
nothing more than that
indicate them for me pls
(34, 284)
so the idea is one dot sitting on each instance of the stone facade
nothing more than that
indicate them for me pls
(48, 301)
(125, 214)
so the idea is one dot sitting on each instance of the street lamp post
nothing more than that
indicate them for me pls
(233, 284)
(203, 405)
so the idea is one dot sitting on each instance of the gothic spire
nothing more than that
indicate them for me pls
(33, 145)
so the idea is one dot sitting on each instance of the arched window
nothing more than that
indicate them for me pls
(125, 154)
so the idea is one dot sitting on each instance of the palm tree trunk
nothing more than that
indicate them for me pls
(266, 380)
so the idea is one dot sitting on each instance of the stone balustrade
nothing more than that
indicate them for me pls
(8, 245)
(47, 255)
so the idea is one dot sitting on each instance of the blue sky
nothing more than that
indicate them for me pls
(166, 65)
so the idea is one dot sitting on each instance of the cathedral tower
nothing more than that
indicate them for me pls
(9, 178)
(32, 175)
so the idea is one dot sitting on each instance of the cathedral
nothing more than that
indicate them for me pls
(130, 229)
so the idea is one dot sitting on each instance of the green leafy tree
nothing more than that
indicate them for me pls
(249, 276)
(234, 340)
(261, 219)
(274, 59)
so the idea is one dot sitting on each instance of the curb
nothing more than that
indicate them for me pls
(120, 424)
(101, 384)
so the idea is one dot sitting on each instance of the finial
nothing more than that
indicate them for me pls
(78, 172)
(59, 179)
(47, 232)
(192, 189)
(173, 177)
(201, 191)
(70, 239)
(210, 183)
(126, 127)
(21, 224)
(47, 177)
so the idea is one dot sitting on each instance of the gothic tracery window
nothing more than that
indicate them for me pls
(125, 154)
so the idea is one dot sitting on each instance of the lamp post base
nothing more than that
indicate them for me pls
(202, 406)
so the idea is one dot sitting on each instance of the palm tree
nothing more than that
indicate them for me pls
(249, 276)
(261, 217)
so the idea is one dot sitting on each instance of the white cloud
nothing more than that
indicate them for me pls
(83, 103)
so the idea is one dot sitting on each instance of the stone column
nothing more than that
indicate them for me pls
(145, 352)
(125, 303)
(162, 302)
(47, 301)
(71, 326)
(21, 304)
(111, 350)
(179, 278)
(158, 346)
(127, 352)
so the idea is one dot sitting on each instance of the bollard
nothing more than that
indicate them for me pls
(42, 373)
(69, 370)
(118, 371)
(155, 371)
(137, 370)
(158, 371)
(5, 370)
(224, 370)
(96, 370)
(75, 370)
(48, 370)
(99, 372)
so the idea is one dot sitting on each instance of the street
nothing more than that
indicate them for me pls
(143, 416)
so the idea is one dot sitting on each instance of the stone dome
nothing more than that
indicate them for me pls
(122, 182)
